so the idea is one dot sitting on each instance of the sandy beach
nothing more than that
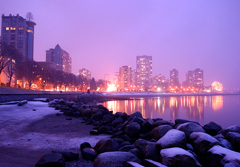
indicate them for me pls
(29, 131)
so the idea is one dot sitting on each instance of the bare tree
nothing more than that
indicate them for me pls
(29, 16)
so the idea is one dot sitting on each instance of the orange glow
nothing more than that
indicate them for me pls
(217, 102)
(217, 86)
(111, 88)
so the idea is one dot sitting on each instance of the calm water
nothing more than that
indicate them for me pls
(224, 110)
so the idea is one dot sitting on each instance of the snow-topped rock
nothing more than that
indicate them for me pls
(190, 127)
(202, 142)
(178, 157)
(173, 138)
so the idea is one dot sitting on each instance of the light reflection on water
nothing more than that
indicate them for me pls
(198, 108)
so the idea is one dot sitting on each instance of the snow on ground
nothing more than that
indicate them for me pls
(15, 131)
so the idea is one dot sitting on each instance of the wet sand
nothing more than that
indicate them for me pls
(23, 141)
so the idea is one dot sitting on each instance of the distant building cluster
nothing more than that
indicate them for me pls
(142, 78)
(85, 73)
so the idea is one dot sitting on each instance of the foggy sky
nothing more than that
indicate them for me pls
(102, 35)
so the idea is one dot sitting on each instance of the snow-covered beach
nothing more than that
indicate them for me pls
(31, 130)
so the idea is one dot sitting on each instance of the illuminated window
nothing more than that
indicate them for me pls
(7, 28)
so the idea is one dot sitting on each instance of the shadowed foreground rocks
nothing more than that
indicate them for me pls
(135, 141)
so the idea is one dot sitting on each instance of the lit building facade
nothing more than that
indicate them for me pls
(198, 78)
(124, 77)
(189, 79)
(60, 58)
(19, 32)
(174, 78)
(85, 73)
(144, 72)
(158, 80)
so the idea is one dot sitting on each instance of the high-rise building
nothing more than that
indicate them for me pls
(144, 72)
(19, 32)
(189, 79)
(59, 57)
(85, 73)
(194, 79)
(174, 78)
(124, 77)
(159, 80)
(198, 78)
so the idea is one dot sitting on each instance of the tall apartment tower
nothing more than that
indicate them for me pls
(174, 78)
(124, 77)
(190, 78)
(144, 71)
(60, 58)
(198, 78)
(19, 32)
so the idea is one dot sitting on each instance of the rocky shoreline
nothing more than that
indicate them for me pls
(135, 141)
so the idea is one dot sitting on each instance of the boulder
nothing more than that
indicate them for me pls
(202, 142)
(124, 143)
(86, 112)
(232, 164)
(178, 157)
(85, 145)
(53, 159)
(220, 156)
(132, 129)
(89, 154)
(106, 145)
(107, 119)
(151, 163)
(68, 156)
(150, 151)
(139, 120)
(137, 153)
(182, 121)
(160, 131)
(234, 139)
(126, 148)
(114, 159)
(233, 128)
(190, 127)
(162, 122)
(140, 144)
(173, 138)
(117, 121)
(147, 125)
(223, 142)
(212, 128)
(137, 114)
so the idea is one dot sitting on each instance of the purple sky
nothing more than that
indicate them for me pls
(102, 35)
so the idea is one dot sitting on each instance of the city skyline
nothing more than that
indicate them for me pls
(104, 36)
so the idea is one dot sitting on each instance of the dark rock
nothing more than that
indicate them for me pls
(68, 156)
(220, 156)
(212, 128)
(173, 138)
(124, 116)
(150, 151)
(224, 142)
(107, 119)
(86, 113)
(21, 103)
(139, 120)
(126, 148)
(160, 131)
(190, 127)
(58, 114)
(117, 121)
(124, 143)
(132, 129)
(114, 159)
(137, 153)
(105, 129)
(178, 157)
(234, 139)
(89, 154)
(147, 125)
(53, 159)
(106, 145)
(97, 116)
(162, 122)
(151, 163)
(68, 118)
(120, 141)
(85, 145)
(140, 143)
(133, 164)
(137, 114)
(94, 132)
(146, 136)
(233, 128)
(202, 142)
(182, 121)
